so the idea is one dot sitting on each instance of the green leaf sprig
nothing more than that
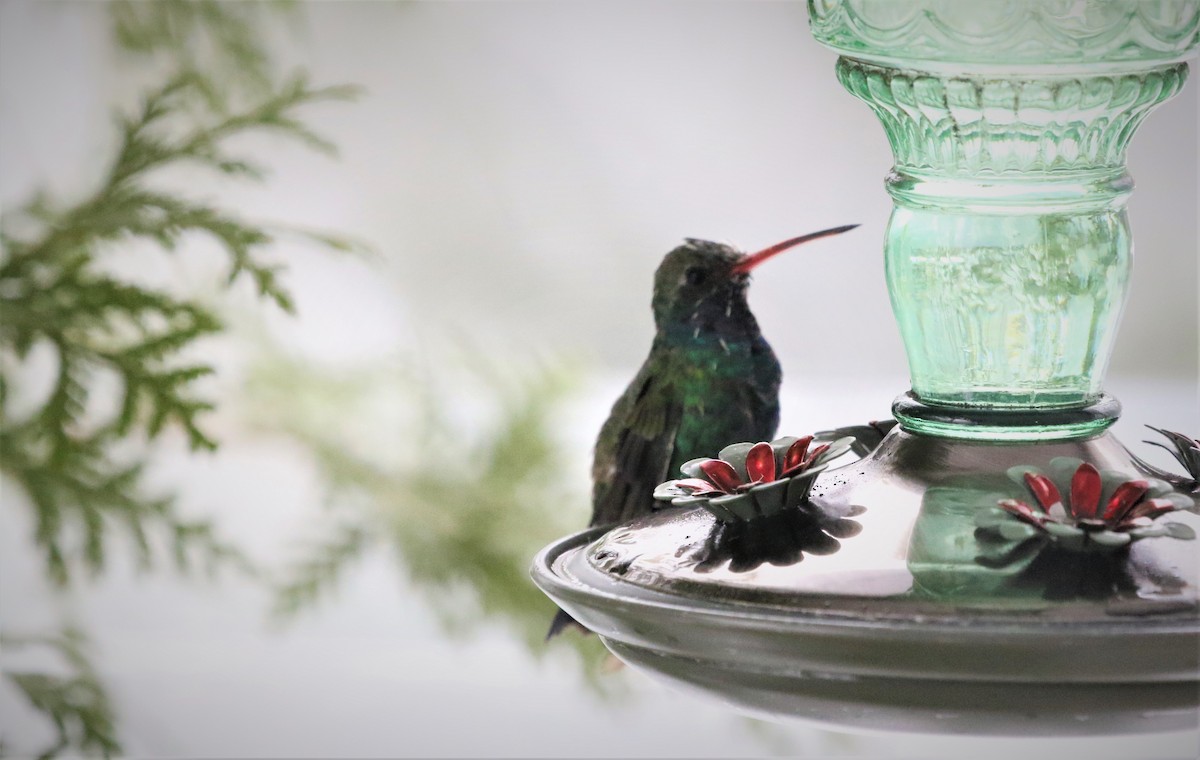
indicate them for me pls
(55, 292)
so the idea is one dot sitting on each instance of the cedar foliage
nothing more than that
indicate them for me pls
(74, 701)
(83, 473)
(55, 292)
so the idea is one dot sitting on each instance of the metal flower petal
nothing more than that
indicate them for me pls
(1150, 509)
(1127, 494)
(1023, 511)
(1044, 491)
(697, 486)
(796, 453)
(721, 474)
(735, 454)
(1085, 491)
(760, 463)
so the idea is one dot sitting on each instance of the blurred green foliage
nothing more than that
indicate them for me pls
(452, 462)
(80, 467)
(56, 292)
(219, 38)
(74, 700)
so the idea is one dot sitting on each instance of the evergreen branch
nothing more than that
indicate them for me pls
(86, 486)
(333, 242)
(321, 570)
(52, 293)
(508, 492)
(77, 703)
(200, 35)
(142, 150)
(507, 501)
(123, 207)
(197, 542)
(87, 319)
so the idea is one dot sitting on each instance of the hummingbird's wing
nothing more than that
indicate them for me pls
(635, 448)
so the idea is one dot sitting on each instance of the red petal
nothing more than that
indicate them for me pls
(1023, 511)
(1127, 494)
(697, 486)
(1043, 490)
(1085, 492)
(818, 451)
(721, 474)
(760, 463)
(795, 453)
(1150, 508)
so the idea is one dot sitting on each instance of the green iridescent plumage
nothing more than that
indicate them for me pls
(710, 380)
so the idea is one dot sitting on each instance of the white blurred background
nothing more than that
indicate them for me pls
(519, 168)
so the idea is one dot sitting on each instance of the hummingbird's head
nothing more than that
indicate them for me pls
(696, 285)
(701, 285)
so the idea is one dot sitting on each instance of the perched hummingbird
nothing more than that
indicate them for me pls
(710, 380)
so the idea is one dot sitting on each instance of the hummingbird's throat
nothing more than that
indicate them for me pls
(726, 318)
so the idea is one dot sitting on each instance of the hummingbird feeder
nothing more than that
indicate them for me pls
(999, 562)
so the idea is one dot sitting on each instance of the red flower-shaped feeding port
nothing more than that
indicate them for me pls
(1100, 511)
(749, 480)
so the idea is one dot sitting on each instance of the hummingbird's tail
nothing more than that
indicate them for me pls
(561, 622)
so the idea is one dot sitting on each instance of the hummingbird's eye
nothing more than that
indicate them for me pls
(695, 276)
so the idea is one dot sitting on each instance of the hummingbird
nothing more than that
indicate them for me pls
(711, 379)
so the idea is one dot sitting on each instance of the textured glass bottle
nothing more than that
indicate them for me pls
(1008, 252)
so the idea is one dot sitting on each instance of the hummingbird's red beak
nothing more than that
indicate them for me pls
(754, 259)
